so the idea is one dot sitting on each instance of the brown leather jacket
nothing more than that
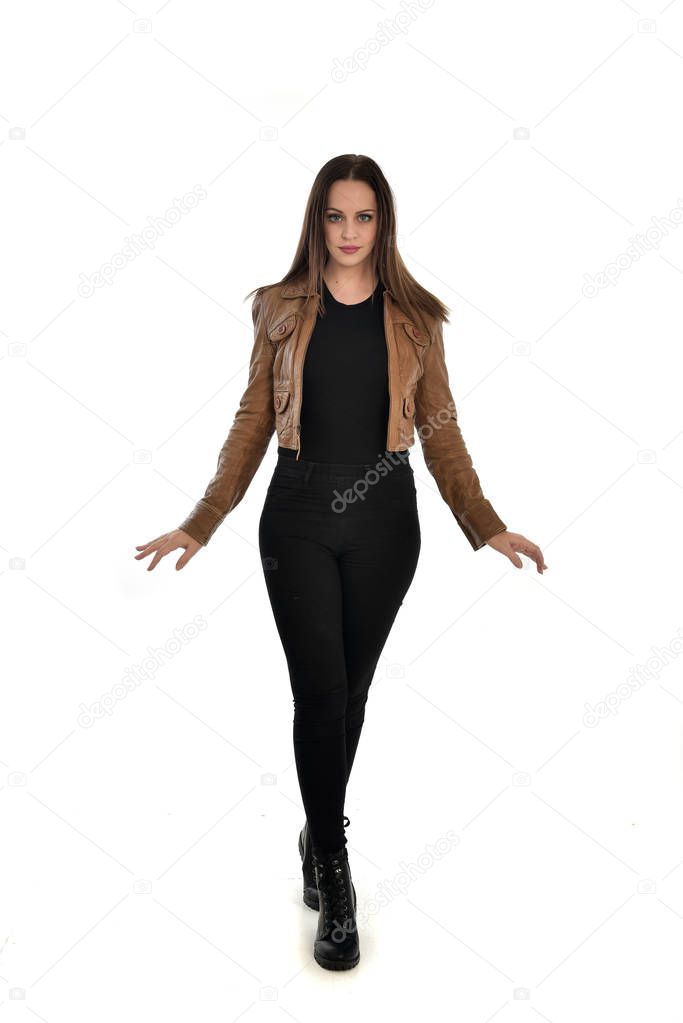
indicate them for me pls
(419, 395)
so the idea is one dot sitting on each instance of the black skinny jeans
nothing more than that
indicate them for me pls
(337, 566)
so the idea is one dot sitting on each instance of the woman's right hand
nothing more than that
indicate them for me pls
(166, 543)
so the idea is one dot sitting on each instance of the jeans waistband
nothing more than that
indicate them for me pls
(392, 462)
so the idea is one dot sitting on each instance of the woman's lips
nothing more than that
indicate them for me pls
(349, 248)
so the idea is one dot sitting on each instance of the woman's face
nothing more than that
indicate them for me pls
(350, 222)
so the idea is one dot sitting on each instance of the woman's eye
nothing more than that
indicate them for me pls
(331, 216)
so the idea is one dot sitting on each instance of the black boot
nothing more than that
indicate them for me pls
(306, 853)
(336, 941)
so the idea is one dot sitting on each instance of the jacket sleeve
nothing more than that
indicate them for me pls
(247, 441)
(444, 449)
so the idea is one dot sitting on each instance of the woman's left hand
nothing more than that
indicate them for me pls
(510, 543)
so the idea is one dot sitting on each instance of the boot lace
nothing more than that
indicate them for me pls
(335, 894)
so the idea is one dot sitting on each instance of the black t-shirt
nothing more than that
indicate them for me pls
(345, 383)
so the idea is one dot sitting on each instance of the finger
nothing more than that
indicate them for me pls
(156, 539)
(142, 554)
(531, 551)
(523, 548)
(540, 560)
(147, 548)
(161, 553)
(183, 560)
(537, 557)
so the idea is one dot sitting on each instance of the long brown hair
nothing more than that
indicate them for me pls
(311, 253)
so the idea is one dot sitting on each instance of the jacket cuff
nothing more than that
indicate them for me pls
(202, 522)
(480, 523)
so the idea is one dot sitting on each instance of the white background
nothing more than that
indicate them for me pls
(149, 859)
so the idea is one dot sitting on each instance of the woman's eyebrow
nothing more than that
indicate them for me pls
(336, 210)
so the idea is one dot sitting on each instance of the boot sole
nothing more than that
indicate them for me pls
(336, 964)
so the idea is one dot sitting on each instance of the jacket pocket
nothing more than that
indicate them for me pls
(282, 329)
(280, 400)
(415, 335)
(408, 406)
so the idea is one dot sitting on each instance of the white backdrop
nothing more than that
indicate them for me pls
(516, 839)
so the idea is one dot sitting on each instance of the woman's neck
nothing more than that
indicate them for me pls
(349, 285)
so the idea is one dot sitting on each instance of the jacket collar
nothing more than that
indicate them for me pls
(297, 289)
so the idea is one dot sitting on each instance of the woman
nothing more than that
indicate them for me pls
(348, 356)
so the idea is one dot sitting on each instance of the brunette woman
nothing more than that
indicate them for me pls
(347, 365)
